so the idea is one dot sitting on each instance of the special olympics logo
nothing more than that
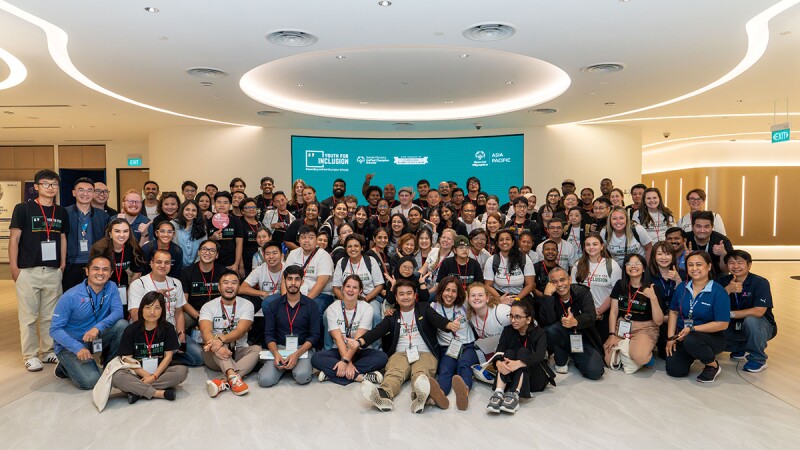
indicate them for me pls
(360, 159)
(480, 155)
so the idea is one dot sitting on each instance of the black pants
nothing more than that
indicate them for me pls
(589, 363)
(74, 274)
(534, 378)
(602, 326)
(697, 345)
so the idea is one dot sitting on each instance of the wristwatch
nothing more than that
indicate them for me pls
(733, 314)
(346, 361)
(691, 328)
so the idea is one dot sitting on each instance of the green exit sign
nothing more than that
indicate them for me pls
(780, 132)
(135, 162)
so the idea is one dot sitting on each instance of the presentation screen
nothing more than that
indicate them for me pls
(496, 160)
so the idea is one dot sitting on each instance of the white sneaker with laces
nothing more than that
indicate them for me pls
(50, 358)
(322, 377)
(34, 364)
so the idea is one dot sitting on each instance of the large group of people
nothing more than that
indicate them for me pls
(440, 287)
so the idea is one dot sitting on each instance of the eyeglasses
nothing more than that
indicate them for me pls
(695, 199)
(166, 231)
(85, 191)
(249, 208)
(101, 191)
(633, 264)
(516, 317)
(47, 185)
(133, 202)
(210, 251)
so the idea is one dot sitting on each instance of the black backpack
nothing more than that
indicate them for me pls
(367, 259)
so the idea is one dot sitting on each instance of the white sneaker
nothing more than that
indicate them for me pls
(420, 391)
(34, 364)
(562, 369)
(370, 392)
(374, 377)
(50, 358)
(322, 377)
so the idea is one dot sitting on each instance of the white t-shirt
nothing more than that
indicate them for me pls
(464, 334)
(574, 238)
(433, 265)
(503, 281)
(212, 312)
(409, 324)
(476, 224)
(534, 257)
(173, 299)
(151, 212)
(496, 320)
(320, 265)
(401, 210)
(599, 281)
(370, 279)
(358, 319)
(482, 257)
(263, 279)
(567, 254)
(719, 226)
(658, 227)
(618, 248)
(272, 217)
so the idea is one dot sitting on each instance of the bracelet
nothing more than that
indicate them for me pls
(155, 376)
(216, 336)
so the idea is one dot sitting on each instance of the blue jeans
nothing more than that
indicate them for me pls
(192, 357)
(86, 373)
(448, 367)
(365, 360)
(752, 338)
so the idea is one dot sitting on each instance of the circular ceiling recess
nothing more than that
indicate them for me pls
(405, 84)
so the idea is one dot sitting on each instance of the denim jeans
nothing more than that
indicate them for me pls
(192, 357)
(752, 338)
(86, 373)
(449, 367)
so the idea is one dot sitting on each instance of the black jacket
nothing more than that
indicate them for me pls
(583, 309)
(428, 321)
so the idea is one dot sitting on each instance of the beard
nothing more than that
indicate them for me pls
(338, 193)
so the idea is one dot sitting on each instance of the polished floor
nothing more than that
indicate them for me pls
(647, 409)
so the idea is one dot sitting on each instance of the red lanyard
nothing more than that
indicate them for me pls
(525, 343)
(508, 272)
(461, 277)
(630, 299)
(225, 313)
(407, 327)
(308, 260)
(562, 305)
(118, 266)
(206, 283)
(591, 277)
(48, 226)
(291, 319)
(483, 328)
(156, 286)
(546, 272)
(253, 228)
(149, 342)
(274, 284)
(355, 271)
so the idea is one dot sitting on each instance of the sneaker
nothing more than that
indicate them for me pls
(50, 358)
(322, 377)
(709, 374)
(377, 396)
(169, 394)
(34, 364)
(437, 396)
(215, 386)
(652, 363)
(59, 371)
(133, 398)
(562, 369)
(754, 366)
(374, 377)
(482, 374)
(510, 403)
(462, 393)
(238, 386)
(420, 390)
(494, 403)
(738, 355)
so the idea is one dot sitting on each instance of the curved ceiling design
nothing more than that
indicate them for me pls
(16, 70)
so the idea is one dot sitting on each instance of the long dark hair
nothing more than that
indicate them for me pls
(105, 246)
(199, 223)
(644, 214)
(149, 298)
(516, 260)
(645, 274)
(164, 197)
(460, 294)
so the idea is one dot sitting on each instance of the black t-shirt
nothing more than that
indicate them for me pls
(249, 245)
(640, 308)
(468, 273)
(28, 218)
(709, 248)
(227, 245)
(175, 253)
(123, 261)
(162, 339)
(201, 286)
(263, 205)
(292, 231)
(542, 275)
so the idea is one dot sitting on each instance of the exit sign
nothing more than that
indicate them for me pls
(135, 162)
(780, 132)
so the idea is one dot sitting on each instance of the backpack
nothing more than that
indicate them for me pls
(496, 263)
(367, 259)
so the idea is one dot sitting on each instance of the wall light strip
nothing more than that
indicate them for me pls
(57, 45)
(708, 195)
(680, 198)
(757, 30)
(18, 72)
(775, 209)
(666, 192)
(692, 117)
(741, 230)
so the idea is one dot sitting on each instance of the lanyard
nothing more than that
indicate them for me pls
(667, 292)
(253, 228)
(483, 328)
(466, 272)
(444, 313)
(508, 273)
(291, 319)
(48, 226)
(591, 277)
(225, 313)
(630, 301)
(575, 237)
(210, 284)
(408, 328)
(119, 266)
(166, 281)
(308, 260)
(348, 326)
(149, 342)
(561, 302)
(84, 224)
(280, 219)
(91, 300)
(525, 342)
(355, 271)
(657, 224)
(275, 284)
(692, 303)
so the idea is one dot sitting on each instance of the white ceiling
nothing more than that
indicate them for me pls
(402, 59)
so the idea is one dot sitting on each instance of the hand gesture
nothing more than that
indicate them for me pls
(674, 275)
(369, 177)
(550, 288)
(91, 335)
(280, 361)
(719, 249)
(650, 292)
(569, 320)
(389, 278)
(454, 326)
(506, 299)
(734, 287)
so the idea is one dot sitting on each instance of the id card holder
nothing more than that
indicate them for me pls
(97, 345)
(291, 343)
(48, 250)
(150, 365)
(738, 325)
(197, 336)
(576, 343)
(123, 294)
(624, 328)
(84, 245)
(454, 349)
(412, 353)
(688, 323)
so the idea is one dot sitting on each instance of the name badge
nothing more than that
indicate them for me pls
(688, 323)
(197, 336)
(454, 349)
(412, 353)
(576, 343)
(97, 345)
(84, 244)
(291, 343)
(738, 326)
(624, 328)
(48, 250)
(150, 365)
(123, 294)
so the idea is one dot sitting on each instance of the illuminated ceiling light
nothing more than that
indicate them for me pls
(151, 9)
(448, 102)
(17, 70)
(340, 57)
(300, 85)
(364, 103)
(757, 30)
(698, 116)
(695, 138)
(509, 83)
(57, 45)
(385, 3)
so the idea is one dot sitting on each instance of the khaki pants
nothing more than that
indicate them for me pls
(38, 290)
(243, 360)
(128, 382)
(398, 370)
(643, 339)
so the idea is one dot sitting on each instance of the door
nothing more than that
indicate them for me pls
(130, 179)
(68, 178)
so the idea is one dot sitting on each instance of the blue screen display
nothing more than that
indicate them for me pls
(496, 160)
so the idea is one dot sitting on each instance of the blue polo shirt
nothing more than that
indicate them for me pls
(79, 310)
(710, 305)
(304, 318)
(756, 293)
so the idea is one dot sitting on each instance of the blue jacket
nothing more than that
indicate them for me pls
(97, 217)
(74, 315)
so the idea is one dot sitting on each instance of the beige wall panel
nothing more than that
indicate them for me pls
(43, 157)
(94, 156)
(70, 157)
(23, 158)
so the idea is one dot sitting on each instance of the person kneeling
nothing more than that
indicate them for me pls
(412, 353)
(152, 341)
(521, 361)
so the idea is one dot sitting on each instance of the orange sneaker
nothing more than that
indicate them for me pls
(238, 386)
(215, 386)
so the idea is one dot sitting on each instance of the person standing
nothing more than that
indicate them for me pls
(37, 255)
(151, 199)
(87, 225)
(100, 199)
(131, 211)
